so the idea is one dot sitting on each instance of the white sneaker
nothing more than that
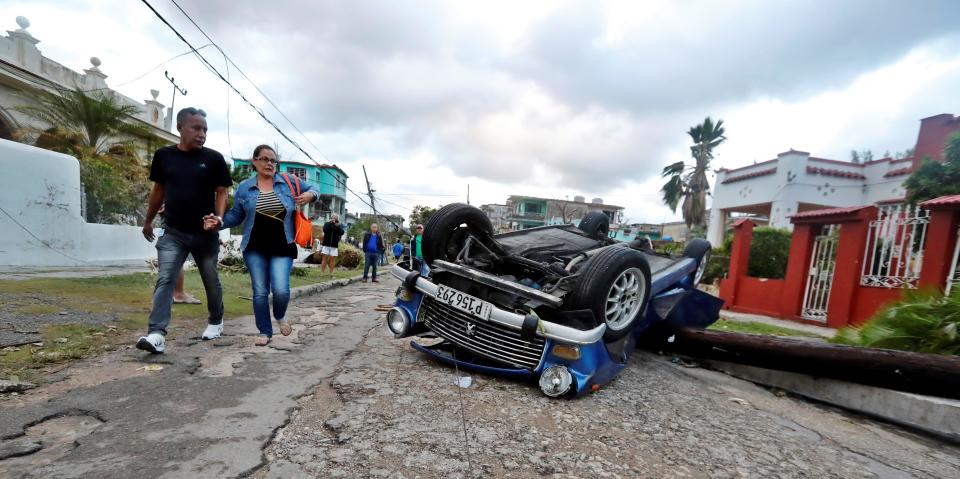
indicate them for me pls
(153, 342)
(213, 331)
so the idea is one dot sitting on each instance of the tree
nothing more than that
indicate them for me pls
(933, 179)
(94, 128)
(420, 215)
(95, 119)
(689, 183)
(861, 156)
(570, 211)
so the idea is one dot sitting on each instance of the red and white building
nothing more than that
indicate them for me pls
(796, 182)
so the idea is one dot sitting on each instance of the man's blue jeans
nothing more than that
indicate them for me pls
(172, 250)
(268, 274)
(370, 260)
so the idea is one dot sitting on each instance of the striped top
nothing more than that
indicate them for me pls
(269, 204)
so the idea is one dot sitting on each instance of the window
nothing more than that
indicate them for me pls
(532, 208)
(318, 177)
(298, 172)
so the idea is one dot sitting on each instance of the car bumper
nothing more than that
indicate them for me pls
(509, 319)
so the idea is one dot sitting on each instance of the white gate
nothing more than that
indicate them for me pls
(823, 262)
(953, 277)
(894, 251)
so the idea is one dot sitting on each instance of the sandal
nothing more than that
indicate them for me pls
(187, 299)
(261, 340)
(285, 328)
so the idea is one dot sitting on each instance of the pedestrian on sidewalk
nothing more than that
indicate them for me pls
(190, 182)
(397, 250)
(265, 204)
(416, 247)
(373, 248)
(332, 232)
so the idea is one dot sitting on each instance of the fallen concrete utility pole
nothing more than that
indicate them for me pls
(931, 374)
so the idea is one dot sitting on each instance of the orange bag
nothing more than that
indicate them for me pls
(302, 227)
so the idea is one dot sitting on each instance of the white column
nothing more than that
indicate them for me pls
(715, 230)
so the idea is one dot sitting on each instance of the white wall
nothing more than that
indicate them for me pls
(40, 190)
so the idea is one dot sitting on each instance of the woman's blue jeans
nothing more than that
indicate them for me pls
(268, 274)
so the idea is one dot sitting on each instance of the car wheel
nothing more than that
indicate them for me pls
(699, 250)
(595, 225)
(615, 285)
(446, 231)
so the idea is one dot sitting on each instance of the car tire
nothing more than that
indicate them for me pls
(445, 231)
(699, 250)
(614, 267)
(595, 225)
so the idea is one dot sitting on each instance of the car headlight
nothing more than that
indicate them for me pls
(556, 381)
(397, 322)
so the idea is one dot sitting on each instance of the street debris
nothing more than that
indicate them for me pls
(62, 340)
(150, 368)
(15, 386)
(464, 381)
(739, 401)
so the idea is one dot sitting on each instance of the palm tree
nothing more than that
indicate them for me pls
(96, 120)
(689, 182)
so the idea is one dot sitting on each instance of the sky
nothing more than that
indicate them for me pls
(538, 98)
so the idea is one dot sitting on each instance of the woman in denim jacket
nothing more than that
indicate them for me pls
(264, 203)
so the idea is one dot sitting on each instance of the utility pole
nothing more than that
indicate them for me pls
(183, 92)
(370, 191)
(468, 193)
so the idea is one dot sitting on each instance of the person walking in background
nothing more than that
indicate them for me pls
(373, 248)
(416, 247)
(332, 232)
(397, 250)
(190, 182)
(265, 204)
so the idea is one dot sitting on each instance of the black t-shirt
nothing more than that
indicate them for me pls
(189, 180)
(331, 234)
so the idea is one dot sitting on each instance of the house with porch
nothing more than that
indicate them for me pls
(795, 182)
(330, 179)
(847, 262)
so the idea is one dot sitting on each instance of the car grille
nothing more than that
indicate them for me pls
(488, 339)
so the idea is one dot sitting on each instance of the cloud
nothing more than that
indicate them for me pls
(542, 97)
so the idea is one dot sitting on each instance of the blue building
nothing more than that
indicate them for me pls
(330, 179)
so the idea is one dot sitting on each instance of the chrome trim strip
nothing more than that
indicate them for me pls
(512, 320)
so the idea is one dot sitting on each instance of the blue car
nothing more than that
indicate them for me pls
(562, 306)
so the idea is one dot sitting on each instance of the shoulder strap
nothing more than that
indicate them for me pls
(296, 192)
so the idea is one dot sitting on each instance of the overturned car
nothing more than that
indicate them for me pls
(560, 305)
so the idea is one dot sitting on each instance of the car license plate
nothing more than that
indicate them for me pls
(464, 302)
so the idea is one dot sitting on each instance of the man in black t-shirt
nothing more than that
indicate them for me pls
(190, 182)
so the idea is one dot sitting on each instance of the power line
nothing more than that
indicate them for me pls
(222, 78)
(239, 70)
(244, 98)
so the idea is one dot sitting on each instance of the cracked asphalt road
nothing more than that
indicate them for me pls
(341, 398)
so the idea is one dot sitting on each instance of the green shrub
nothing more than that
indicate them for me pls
(717, 266)
(670, 247)
(768, 253)
(923, 321)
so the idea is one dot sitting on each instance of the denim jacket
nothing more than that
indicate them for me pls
(245, 205)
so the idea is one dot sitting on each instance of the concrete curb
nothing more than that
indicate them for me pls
(321, 287)
(934, 415)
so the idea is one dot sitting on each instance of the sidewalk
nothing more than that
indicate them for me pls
(756, 318)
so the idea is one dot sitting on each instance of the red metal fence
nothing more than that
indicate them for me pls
(846, 263)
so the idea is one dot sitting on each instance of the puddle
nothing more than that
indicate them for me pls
(57, 436)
